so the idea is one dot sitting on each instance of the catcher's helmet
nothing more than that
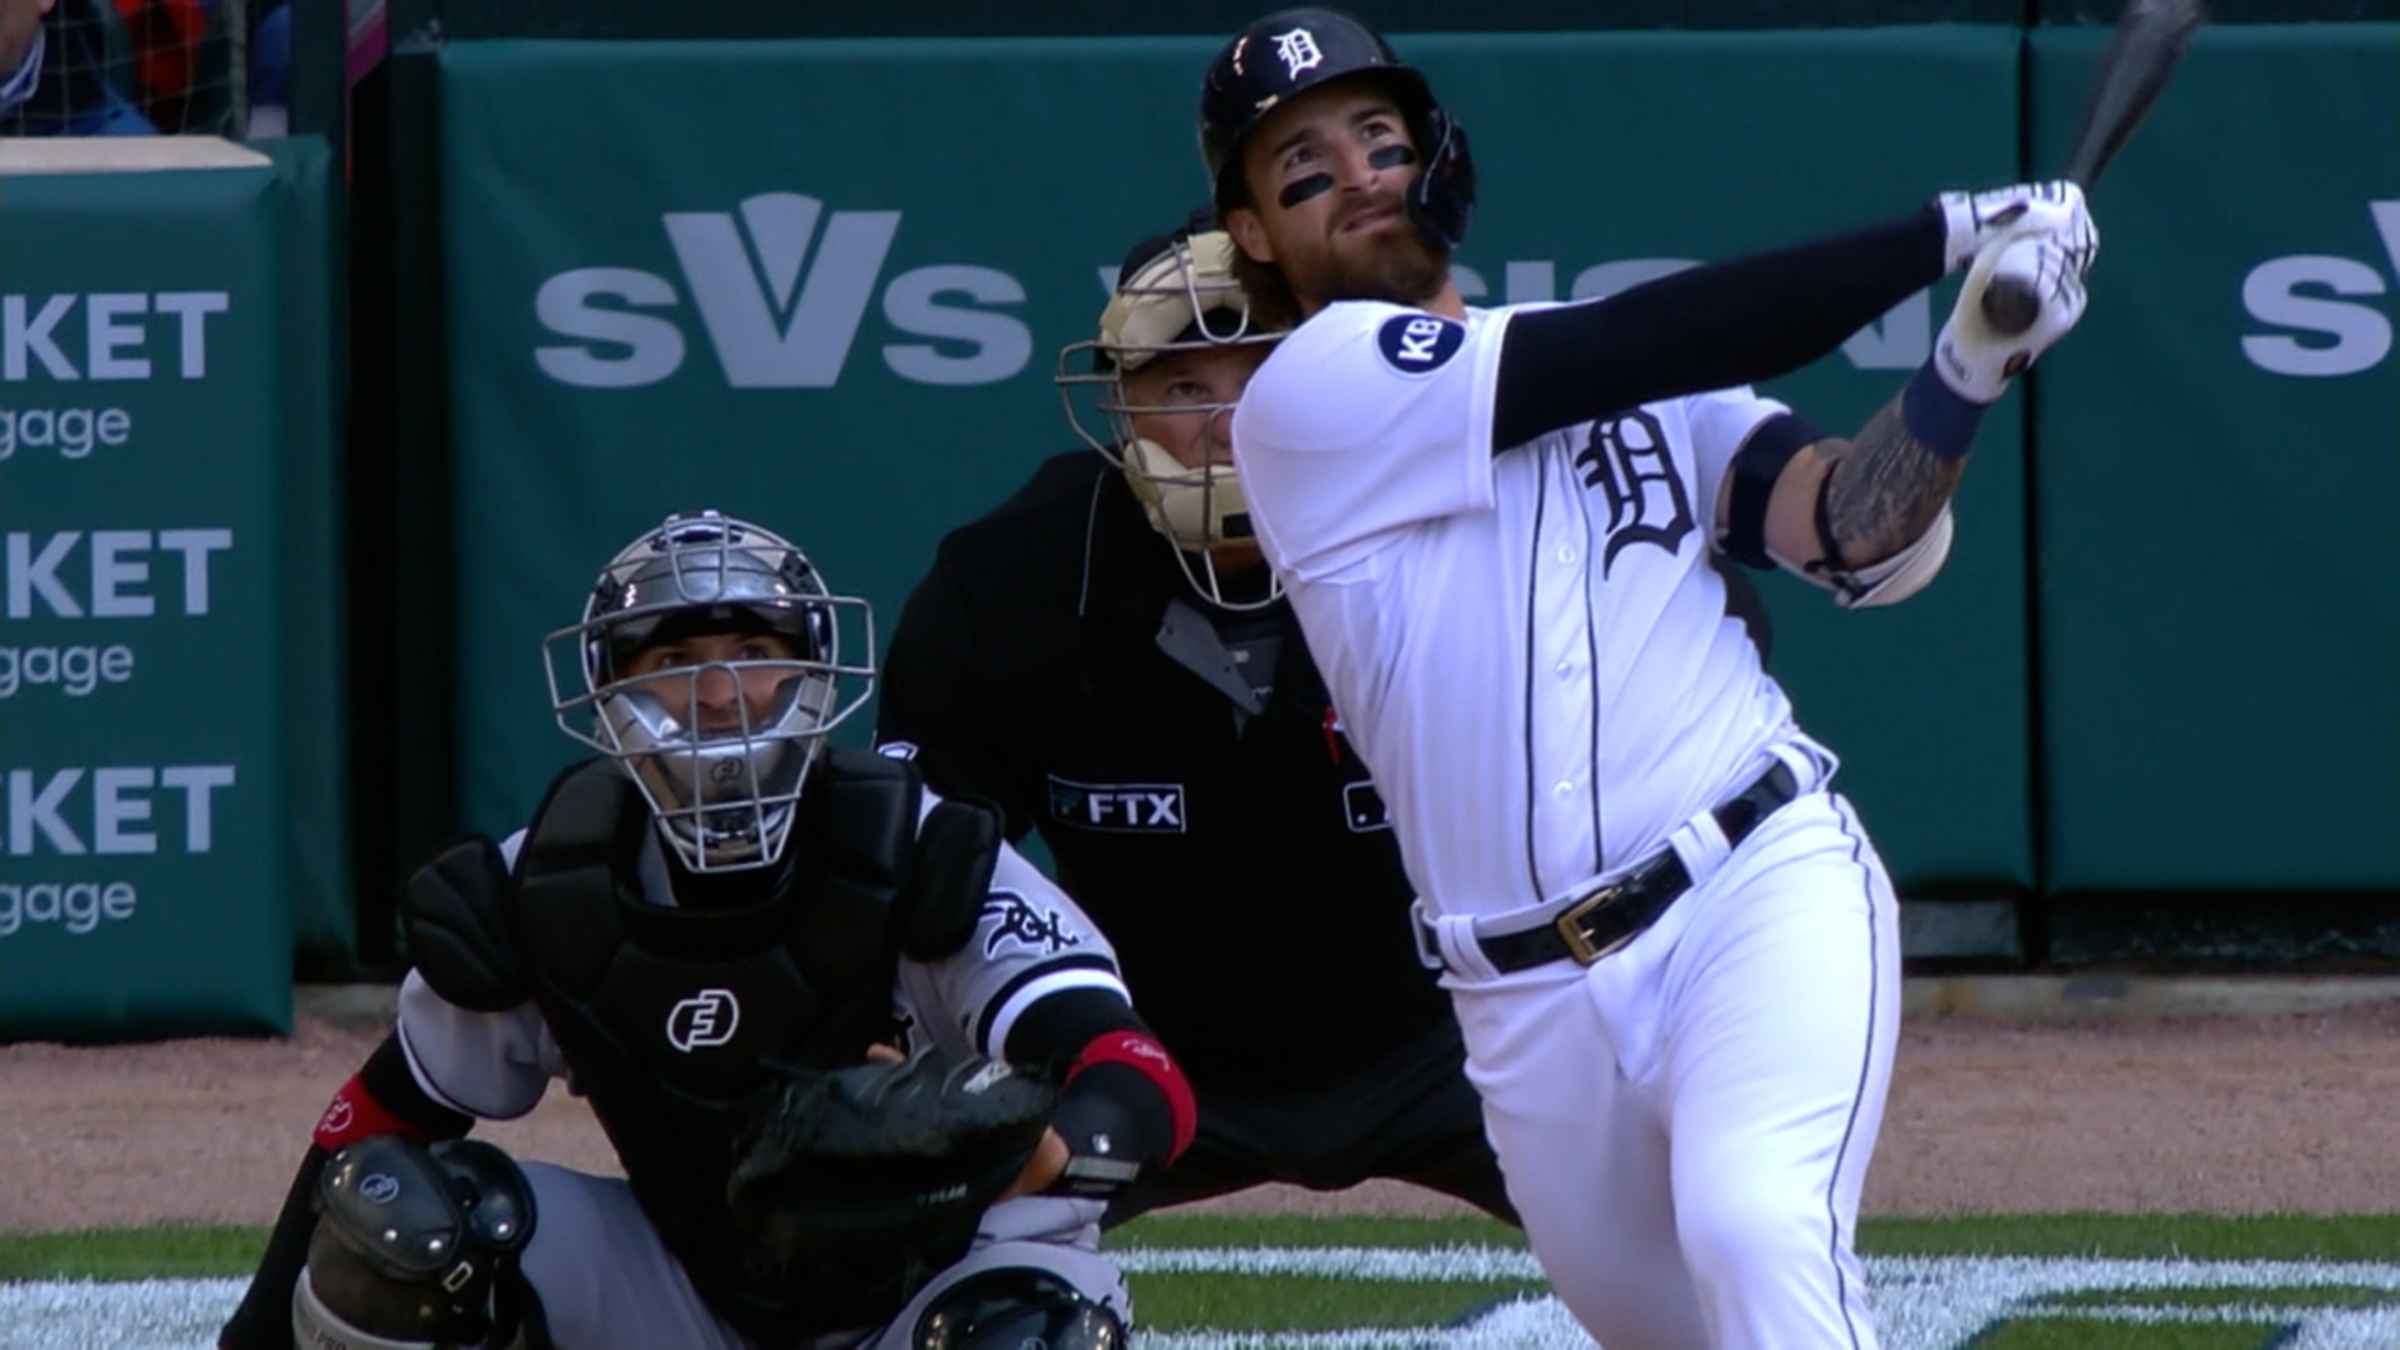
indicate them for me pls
(1295, 50)
(723, 798)
(1175, 293)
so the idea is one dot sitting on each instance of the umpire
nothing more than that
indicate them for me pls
(1106, 656)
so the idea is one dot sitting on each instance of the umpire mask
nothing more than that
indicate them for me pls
(1174, 295)
(722, 778)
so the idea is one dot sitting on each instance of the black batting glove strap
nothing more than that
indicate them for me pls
(1712, 327)
(1115, 1124)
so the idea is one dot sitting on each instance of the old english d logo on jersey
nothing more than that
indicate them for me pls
(1419, 344)
(1627, 459)
(705, 1019)
(1118, 808)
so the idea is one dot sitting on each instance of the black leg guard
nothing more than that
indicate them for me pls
(318, 1327)
(416, 1246)
(1016, 1306)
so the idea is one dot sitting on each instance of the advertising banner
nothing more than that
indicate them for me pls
(142, 810)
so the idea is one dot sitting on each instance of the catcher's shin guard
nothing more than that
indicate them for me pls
(1015, 1306)
(416, 1248)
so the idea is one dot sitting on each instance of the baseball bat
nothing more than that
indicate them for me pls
(2150, 38)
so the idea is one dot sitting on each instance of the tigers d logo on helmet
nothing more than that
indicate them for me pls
(1292, 51)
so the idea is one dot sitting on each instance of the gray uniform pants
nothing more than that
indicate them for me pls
(608, 1283)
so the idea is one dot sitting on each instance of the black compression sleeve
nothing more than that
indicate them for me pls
(386, 1077)
(1707, 327)
(1055, 1028)
(1110, 1099)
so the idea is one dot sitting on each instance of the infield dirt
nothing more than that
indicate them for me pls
(2255, 1114)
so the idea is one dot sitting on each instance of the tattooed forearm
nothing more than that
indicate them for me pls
(1885, 489)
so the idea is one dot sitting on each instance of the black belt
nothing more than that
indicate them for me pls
(1612, 916)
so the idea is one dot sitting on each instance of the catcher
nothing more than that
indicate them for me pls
(872, 1079)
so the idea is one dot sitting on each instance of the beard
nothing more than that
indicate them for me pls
(1395, 265)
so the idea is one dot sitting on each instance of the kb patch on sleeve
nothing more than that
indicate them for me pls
(1415, 344)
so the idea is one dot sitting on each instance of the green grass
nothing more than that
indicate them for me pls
(187, 1251)
(1299, 1302)
(1306, 1303)
(1302, 1303)
(2208, 1237)
(175, 1252)
(2316, 1296)
(1294, 1230)
(2062, 1334)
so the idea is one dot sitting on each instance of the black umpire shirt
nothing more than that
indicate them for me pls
(1231, 845)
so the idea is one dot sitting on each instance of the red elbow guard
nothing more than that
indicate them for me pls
(1151, 1060)
(354, 1114)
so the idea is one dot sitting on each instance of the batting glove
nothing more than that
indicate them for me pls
(1972, 220)
(1976, 360)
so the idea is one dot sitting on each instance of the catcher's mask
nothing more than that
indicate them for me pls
(1175, 295)
(1295, 50)
(723, 795)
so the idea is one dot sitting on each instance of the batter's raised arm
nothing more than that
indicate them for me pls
(1744, 321)
(1867, 517)
(1339, 178)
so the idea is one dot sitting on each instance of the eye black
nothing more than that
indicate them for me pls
(1301, 189)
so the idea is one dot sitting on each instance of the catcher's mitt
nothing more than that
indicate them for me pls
(871, 1179)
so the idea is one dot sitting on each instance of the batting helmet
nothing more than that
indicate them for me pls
(1295, 50)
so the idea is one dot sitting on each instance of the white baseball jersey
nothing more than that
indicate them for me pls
(1530, 649)
(1030, 941)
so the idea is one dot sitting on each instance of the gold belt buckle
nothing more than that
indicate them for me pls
(1570, 927)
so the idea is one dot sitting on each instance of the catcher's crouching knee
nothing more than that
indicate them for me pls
(416, 1246)
(1012, 1306)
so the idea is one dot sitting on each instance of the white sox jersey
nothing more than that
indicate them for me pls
(1030, 941)
(1529, 649)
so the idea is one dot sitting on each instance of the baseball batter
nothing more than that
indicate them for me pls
(733, 941)
(1672, 949)
(1104, 657)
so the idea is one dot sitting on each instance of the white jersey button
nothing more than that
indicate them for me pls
(1565, 788)
(1566, 670)
(1566, 553)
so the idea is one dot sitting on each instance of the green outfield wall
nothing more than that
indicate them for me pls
(651, 275)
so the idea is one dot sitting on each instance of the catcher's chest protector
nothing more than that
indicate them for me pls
(664, 1014)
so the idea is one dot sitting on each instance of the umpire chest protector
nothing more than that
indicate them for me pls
(665, 1014)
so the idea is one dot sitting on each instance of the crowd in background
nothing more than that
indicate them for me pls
(144, 67)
